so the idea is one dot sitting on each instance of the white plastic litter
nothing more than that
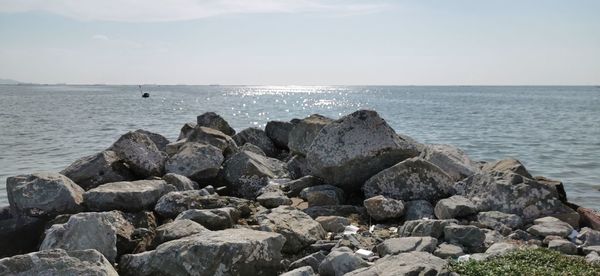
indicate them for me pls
(350, 229)
(464, 258)
(372, 228)
(365, 254)
(393, 229)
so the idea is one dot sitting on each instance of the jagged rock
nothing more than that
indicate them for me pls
(58, 262)
(19, 235)
(350, 150)
(304, 132)
(214, 121)
(213, 219)
(177, 229)
(257, 137)
(454, 207)
(495, 220)
(507, 166)
(446, 250)
(196, 161)
(43, 194)
(520, 235)
(297, 167)
(186, 130)
(273, 199)
(225, 252)
(467, 235)
(89, 231)
(180, 182)
(298, 228)
(322, 195)
(563, 246)
(213, 137)
(493, 236)
(293, 188)
(357, 241)
(173, 203)
(401, 245)
(246, 172)
(557, 185)
(160, 141)
(140, 153)
(451, 160)
(340, 262)
(418, 209)
(424, 227)
(501, 248)
(382, 208)
(173, 148)
(333, 224)
(413, 263)
(410, 179)
(334, 210)
(301, 271)
(312, 260)
(589, 237)
(550, 226)
(94, 170)
(127, 196)
(252, 148)
(279, 132)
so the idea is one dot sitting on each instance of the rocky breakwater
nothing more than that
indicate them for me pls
(313, 196)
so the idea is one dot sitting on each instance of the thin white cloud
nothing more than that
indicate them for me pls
(100, 37)
(175, 10)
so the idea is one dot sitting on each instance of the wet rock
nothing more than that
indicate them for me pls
(563, 246)
(301, 271)
(197, 161)
(173, 203)
(334, 210)
(297, 167)
(58, 262)
(418, 209)
(94, 170)
(507, 166)
(495, 220)
(550, 226)
(252, 148)
(225, 252)
(246, 173)
(127, 196)
(312, 260)
(141, 154)
(451, 160)
(180, 182)
(410, 179)
(186, 130)
(413, 263)
(213, 137)
(340, 262)
(43, 194)
(213, 219)
(454, 207)
(298, 228)
(382, 208)
(424, 227)
(467, 235)
(293, 188)
(279, 132)
(160, 141)
(446, 251)
(214, 121)
(304, 132)
(322, 195)
(273, 199)
(19, 235)
(401, 245)
(350, 150)
(334, 224)
(257, 137)
(177, 229)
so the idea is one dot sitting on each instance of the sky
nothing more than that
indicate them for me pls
(301, 42)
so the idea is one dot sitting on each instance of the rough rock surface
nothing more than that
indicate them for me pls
(312, 260)
(94, 170)
(495, 220)
(382, 208)
(451, 160)
(550, 226)
(160, 141)
(413, 263)
(350, 150)
(446, 250)
(252, 148)
(454, 207)
(273, 199)
(506, 166)
(177, 229)
(212, 137)
(127, 196)
(43, 194)
(58, 262)
(140, 153)
(301, 271)
(322, 195)
(298, 228)
(418, 209)
(214, 121)
(466, 235)
(247, 172)
(180, 182)
(293, 188)
(213, 219)
(410, 179)
(196, 161)
(297, 167)
(424, 227)
(408, 244)
(563, 246)
(257, 137)
(186, 130)
(173, 203)
(334, 224)
(304, 132)
(279, 132)
(340, 262)
(225, 252)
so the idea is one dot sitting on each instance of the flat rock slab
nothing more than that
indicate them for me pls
(94, 170)
(196, 161)
(467, 235)
(454, 207)
(213, 219)
(424, 228)
(299, 229)
(401, 245)
(127, 196)
(173, 203)
(58, 262)
(177, 229)
(382, 208)
(413, 263)
(451, 160)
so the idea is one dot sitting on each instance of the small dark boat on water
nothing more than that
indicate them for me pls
(144, 95)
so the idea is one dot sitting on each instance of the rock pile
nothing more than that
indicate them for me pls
(313, 196)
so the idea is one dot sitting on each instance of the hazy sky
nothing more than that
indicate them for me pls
(301, 42)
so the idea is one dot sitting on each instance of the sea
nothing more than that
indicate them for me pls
(553, 130)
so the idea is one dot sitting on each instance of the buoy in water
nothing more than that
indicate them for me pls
(144, 95)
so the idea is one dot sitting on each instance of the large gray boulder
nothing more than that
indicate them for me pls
(176, 230)
(213, 219)
(257, 137)
(413, 263)
(180, 182)
(350, 150)
(382, 208)
(140, 153)
(334, 224)
(495, 220)
(89, 231)
(340, 262)
(322, 195)
(507, 166)
(94, 170)
(225, 252)
(127, 196)
(304, 132)
(424, 227)
(196, 161)
(214, 121)
(454, 207)
(410, 179)
(273, 199)
(418, 209)
(401, 245)
(293, 187)
(297, 167)
(467, 235)
(549, 226)
(58, 262)
(246, 173)
(213, 137)
(279, 132)
(186, 130)
(452, 160)
(299, 229)
(160, 141)
(43, 194)
(173, 203)
(313, 260)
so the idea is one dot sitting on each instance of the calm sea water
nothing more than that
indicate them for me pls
(555, 131)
